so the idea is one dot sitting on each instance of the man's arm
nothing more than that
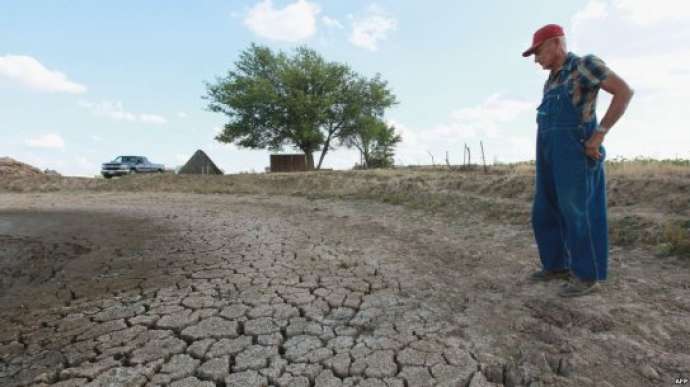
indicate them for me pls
(622, 94)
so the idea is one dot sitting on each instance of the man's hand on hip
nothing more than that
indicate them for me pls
(592, 145)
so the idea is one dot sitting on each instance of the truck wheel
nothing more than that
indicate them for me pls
(132, 171)
(160, 171)
(108, 176)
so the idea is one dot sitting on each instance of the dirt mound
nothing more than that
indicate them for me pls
(13, 168)
(52, 172)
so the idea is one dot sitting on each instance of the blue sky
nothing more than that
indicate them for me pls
(82, 81)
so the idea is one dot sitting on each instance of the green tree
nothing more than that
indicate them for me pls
(274, 100)
(375, 141)
(383, 152)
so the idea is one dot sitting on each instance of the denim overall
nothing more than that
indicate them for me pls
(569, 210)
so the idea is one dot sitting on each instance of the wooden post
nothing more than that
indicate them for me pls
(464, 156)
(481, 144)
(433, 163)
(469, 157)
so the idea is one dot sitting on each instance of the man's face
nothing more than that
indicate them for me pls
(545, 54)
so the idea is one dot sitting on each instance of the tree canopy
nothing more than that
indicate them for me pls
(375, 141)
(274, 100)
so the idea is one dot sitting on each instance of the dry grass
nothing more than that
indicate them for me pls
(649, 200)
(641, 167)
(663, 186)
(676, 238)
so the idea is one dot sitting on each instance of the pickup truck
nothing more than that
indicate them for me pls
(127, 165)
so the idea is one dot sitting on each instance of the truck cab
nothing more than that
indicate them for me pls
(127, 165)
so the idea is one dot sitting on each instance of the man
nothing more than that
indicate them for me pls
(569, 210)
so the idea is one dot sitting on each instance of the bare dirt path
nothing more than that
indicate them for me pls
(226, 290)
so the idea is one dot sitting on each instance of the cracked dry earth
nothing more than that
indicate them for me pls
(221, 290)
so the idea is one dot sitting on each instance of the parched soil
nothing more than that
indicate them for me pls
(184, 289)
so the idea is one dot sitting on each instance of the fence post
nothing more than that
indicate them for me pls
(433, 163)
(469, 157)
(464, 156)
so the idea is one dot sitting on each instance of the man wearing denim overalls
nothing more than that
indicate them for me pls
(569, 211)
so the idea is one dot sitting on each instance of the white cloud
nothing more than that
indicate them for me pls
(642, 13)
(116, 111)
(293, 23)
(50, 141)
(85, 164)
(627, 32)
(484, 119)
(182, 115)
(646, 12)
(504, 125)
(152, 119)
(372, 28)
(29, 72)
(594, 10)
(413, 148)
(646, 44)
(216, 145)
(331, 22)
(182, 157)
(97, 138)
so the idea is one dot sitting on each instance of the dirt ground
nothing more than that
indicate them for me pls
(181, 289)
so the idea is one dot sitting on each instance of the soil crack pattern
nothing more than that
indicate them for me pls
(236, 292)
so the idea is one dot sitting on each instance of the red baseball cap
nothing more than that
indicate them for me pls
(543, 34)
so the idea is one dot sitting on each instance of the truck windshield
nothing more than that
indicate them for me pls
(124, 159)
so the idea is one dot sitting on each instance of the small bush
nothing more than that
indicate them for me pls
(677, 236)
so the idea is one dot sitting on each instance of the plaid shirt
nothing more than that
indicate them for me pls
(584, 76)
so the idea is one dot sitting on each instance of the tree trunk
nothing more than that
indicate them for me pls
(366, 155)
(323, 152)
(362, 160)
(310, 159)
